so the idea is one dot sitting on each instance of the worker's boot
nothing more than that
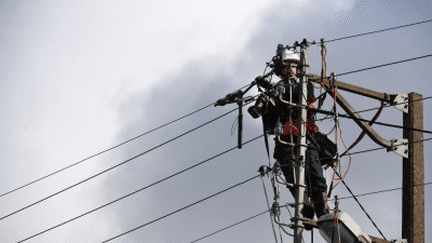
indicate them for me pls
(320, 204)
(307, 211)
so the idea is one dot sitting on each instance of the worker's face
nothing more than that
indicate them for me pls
(290, 69)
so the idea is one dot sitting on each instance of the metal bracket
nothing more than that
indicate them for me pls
(399, 241)
(399, 146)
(400, 102)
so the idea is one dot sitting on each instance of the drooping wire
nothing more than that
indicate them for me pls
(350, 159)
(180, 209)
(117, 165)
(141, 189)
(359, 138)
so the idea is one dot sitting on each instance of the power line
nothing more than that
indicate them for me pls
(115, 166)
(347, 197)
(139, 190)
(383, 65)
(377, 31)
(375, 122)
(381, 191)
(114, 147)
(376, 108)
(106, 150)
(374, 149)
(178, 210)
(130, 194)
(180, 118)
(240, 222)
(361, 206)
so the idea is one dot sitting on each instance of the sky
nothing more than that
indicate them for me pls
(79, 77)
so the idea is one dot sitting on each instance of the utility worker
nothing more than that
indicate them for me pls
(280, 118)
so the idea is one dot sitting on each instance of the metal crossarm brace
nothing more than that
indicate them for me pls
(390, 145)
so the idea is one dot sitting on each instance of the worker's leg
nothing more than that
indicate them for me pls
(317, 182)
(283, 154)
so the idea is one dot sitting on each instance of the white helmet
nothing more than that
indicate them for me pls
(289, 56)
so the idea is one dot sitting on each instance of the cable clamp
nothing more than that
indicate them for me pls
(399, 146)
(399, 241)
(296, 219)
(264, 170)
(322, 43)
(400, 102)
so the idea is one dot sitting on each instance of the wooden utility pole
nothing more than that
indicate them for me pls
(413, 220)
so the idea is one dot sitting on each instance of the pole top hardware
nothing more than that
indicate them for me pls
(304, 44)
(399, 241)
(400, 102)
(399, 146)
(264, 170)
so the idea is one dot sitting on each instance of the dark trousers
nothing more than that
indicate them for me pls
(315, 181)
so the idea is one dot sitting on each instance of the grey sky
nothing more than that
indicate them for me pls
(78, 78)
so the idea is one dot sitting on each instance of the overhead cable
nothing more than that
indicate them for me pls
(117, 165)
(361, 206)
(383, 65)
(268, 206)
(240, 222)
(381, 191)
(374, 149)
(111, 148)
(347, 197)
(374, 122)
(377, 31)
(139, 190)
(181, 209)
(376, 108)
(106, 150)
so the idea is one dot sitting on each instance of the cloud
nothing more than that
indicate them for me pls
(215, 58)
(196, 84)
